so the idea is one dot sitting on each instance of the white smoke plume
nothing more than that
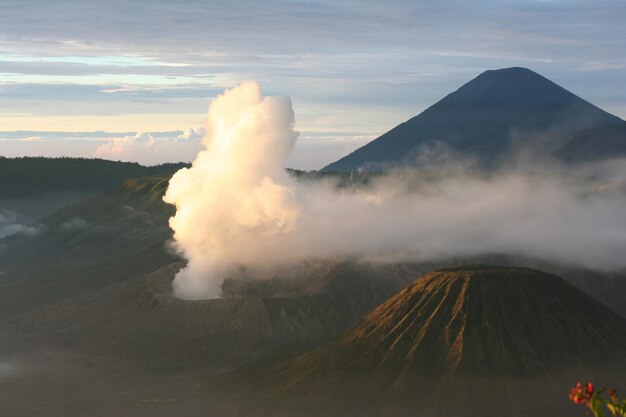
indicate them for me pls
(236, 206)
(236, 196)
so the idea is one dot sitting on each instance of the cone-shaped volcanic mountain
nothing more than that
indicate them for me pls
(498, 112)
(473, 332)
(479, 320)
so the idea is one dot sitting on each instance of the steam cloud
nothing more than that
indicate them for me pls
(236, 196)
(237, 206)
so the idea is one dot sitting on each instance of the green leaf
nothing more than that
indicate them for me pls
(596, 403)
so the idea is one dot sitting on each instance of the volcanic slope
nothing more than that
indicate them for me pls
(471, 340)
(495, 115)
(90, 294)
(35, 187)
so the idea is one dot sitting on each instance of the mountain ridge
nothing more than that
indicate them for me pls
(487, 117)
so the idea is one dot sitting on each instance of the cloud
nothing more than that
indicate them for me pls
(75, 223)
(192, 133)
(334, 61)
(311, 25)
(148, 149)
(10, 224)
(599, 66)
(127, 148)
(335, 52)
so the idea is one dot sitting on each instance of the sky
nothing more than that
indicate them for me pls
(132, 80)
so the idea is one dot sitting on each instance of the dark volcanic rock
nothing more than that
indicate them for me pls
(140, 322)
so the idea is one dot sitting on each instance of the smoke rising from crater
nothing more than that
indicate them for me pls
(237, 206)
(236, 196)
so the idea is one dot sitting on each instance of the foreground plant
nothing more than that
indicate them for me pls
(597, 402)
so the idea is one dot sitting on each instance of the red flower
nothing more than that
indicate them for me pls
(613, 394)
(578, 395)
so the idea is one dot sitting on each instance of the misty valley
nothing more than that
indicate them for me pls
(468, 262)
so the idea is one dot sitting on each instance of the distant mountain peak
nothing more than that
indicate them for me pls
(511, 72)
(515, 85)
(493, 115)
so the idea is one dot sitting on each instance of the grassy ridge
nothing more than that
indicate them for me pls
(32, 176)
(104, 239)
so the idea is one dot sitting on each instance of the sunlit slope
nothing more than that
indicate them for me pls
(479, 320)
(467, 340)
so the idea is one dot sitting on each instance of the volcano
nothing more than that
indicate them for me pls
(472, 338)
(493, 116)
